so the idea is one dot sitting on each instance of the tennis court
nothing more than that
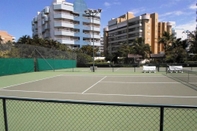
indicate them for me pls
(108, 99)
(121, 85)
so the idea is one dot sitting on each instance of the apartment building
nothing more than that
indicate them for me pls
(5, 37)
(126, 28)
(67, 23)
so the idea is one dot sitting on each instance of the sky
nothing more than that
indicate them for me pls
(16, 15)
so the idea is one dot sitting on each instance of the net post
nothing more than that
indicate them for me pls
(45, 59)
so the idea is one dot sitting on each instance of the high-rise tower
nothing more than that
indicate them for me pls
(67, 23)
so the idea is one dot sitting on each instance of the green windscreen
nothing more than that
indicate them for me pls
(10, 66)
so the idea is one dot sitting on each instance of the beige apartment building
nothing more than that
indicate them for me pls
(126, 28)
(5, 37)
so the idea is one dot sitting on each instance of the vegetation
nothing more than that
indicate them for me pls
(27, 47)
(193, 45)
(176, 50)
(138, 47)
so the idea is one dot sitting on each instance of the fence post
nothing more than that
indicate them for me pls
(161, 118)
(5, 114)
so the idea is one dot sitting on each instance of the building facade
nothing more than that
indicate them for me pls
(67, 23)
(5, 37)
(126, 28)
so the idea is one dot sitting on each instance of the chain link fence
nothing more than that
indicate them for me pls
(50, 115)
(39, 59)
(31, 51)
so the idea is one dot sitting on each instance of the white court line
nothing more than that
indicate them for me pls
(44, 92)
(140, 82)
(94, 85)
(150, 96)
(117, 69)
(29, 82)
(100, 94)
(138, 76)
(56, 99)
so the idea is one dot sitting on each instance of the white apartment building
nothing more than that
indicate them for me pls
(67, 23)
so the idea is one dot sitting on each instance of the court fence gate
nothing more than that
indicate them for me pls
(22, 114)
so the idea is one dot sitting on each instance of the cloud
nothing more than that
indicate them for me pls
(138, 10)
(191, 26)
(173, 13)
(116, 3)
(170, 4)
(107, 4)
(193, 7)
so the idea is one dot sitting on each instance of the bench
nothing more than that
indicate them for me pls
(149, 69)
(175, 69)
(91, 68)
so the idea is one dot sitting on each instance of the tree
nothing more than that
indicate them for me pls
(193, 42)
(25, 40)
(140, 48)
(166, 40)
(177, 52)
(88, 49)
(124, 50)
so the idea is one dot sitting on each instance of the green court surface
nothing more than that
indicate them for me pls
(105, 85)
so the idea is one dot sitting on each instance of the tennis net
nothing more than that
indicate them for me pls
(183, 75)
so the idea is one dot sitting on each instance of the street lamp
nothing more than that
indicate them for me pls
(92, 13)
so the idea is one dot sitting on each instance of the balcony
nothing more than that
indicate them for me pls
(63, 41)
(64, 16)
(35, 19)
(89, 20)
(32, 22)
(118, 40)
(46, 35)
(91, 43)
(64, 33)
(135, 25)
(90, 35)
(46, 26)
(92, 28)
(66, 24)
(136, 31)
(146, 17)
(170, 23)
(46, 10)
(63, 7)
(113, 27)
(122, 24)
(43, 22)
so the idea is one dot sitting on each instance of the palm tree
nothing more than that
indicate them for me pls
(166, 40)
(124, 50)
(25, 40)
(177, 51)
(139, 47)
